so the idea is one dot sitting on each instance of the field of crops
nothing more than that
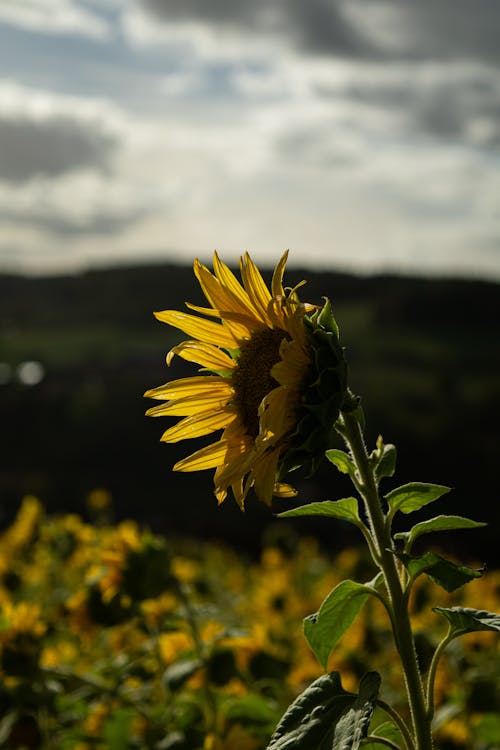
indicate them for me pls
(111, 637)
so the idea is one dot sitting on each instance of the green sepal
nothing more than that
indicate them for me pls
(413, 496)
(439, 523)
(322, 397)
(323, 318)
(325, 628)
(345, 509)
(327, 717)
(466, 620)
(443, 572)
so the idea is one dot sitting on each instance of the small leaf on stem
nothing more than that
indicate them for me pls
(324, 629)
(466, 620)
(445, 573)
(386, 465)
(345, 509)
(439, 523)
(413, 496)
(341, 460)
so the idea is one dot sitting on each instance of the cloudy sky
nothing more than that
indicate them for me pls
(361, 134)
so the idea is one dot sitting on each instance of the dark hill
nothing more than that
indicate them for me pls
(424, 354)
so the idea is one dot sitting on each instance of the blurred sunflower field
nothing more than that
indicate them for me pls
(112, 637)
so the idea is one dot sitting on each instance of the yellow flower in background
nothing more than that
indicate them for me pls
(264, 365)
(22, 618)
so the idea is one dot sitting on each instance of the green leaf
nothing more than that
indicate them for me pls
(324, 629)
(116, 731)
(439, 523)
(487, 730)
(352, 726)
(446, 574)
(345, 509)
(466, 620)
(341, 460)
(251, 709)
(387, 730)
(309, 720)
(387, 463)
(413, 496)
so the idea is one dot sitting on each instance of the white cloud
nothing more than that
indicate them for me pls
(55, 17)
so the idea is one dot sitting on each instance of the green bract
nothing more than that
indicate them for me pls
(323, 396)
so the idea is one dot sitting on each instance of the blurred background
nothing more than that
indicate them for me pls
(362, 134)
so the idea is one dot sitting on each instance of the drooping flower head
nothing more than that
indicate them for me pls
(276, 379)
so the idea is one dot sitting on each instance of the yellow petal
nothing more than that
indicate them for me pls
(232, 298)
(265, 476)
(184, 407)
(203, 354)
(204, 330)
(255, 286)
(240, 325)
(200, 384)
(277, 282)
(230, 282)
(206, 458)
(198, 425)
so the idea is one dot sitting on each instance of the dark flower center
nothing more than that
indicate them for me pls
(252, 379)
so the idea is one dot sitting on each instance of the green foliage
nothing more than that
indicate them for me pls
(386, 464)
(324, 629)
(466, 620)
(341, 460)
(439, 523)
(345, 509)
(326, 717)
(445, 573)
(413, 496)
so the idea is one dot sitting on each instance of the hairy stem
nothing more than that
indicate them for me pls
(432, 671)
(350, 429)
(399, 722)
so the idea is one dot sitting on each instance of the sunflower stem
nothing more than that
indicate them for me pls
(384, 558)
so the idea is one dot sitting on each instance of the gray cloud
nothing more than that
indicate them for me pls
(50, 147)
(453, 28)
(318, 25)
(439, 29)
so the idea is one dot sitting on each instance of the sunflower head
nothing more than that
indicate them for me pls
(274, 380)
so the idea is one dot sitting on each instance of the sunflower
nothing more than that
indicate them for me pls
(276, 372)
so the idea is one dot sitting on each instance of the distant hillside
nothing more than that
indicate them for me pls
(424, 354)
